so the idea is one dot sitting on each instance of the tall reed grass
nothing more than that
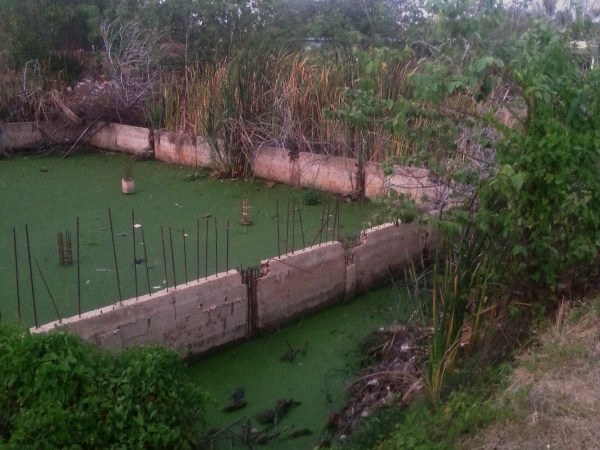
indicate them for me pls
(457, 304)
(253, 100)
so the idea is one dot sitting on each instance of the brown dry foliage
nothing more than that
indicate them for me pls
(553, 399)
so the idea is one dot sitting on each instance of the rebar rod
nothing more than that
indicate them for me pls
(58, 316)
(35, 320)
(278, 237)
(135, 262)
(172, 258)
(184, 256)
(146, 262)
(112, 235)
(17, 274)
(162, 237)
(78, 272)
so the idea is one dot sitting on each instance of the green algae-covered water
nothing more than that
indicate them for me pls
(317, 379)
(47, 194)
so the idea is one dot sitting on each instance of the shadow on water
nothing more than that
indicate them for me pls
(312, 383)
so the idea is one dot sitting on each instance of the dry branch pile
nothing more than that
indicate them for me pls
(396, 376)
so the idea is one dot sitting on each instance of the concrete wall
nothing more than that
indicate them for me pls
(186, 150)
(414, 182)
(204, 315)
(191, 319)
(328, 173)
(385, 251)
(124, 138)
(300, 283)
(17, 136)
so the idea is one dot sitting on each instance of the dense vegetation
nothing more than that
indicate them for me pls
(493, 98)
(57, 392)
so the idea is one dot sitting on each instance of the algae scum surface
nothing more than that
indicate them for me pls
(47, 194)
(317, 379)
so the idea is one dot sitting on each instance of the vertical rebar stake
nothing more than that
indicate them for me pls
(338, 220)
(162, 237)
(31, 277)
(206, 251)
(146, 262)
(301, 227)
(216, 249)
(327, 223)
(17, 273)
(172, 259)
(197, 249)
(135, 261)
(293, 225)
(78, 273)
(227, 248)
(322, 225)
(112, 235)
(287, 227)
(58, 316)
(184, 256)
(334, 221)
(278, 237)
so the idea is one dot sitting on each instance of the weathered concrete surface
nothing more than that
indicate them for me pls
(182, 149)
(191, 319)
(385, 251)
(204, 315)
(273, 163)
(17, 136)
(303, 169)
(298, 284)
(124, 138)
(414, 182)
(328, 173)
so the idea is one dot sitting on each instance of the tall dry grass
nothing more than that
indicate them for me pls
(249, 101)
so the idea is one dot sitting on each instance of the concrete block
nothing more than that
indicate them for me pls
(110, 340)
(273, 163)
(416, 183)
(19, 136)
(133, 329)
(125, 138)
(386, 250)
(298, 284)
(183, 149)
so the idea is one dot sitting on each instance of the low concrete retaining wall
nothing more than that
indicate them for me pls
(329, 173)
(191, 319)
(384, 253)
(16, 136)
(298, 284)
(186, 150)
(206, 314)
(124, 138)
(411, 181)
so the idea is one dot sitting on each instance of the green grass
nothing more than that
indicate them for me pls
(47, 194)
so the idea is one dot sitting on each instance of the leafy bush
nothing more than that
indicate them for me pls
(58, 392)
(544, 199)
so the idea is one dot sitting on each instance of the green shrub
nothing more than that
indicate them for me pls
(58, 392)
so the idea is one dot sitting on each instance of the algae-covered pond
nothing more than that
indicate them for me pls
(316, 379)
(48, 194)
